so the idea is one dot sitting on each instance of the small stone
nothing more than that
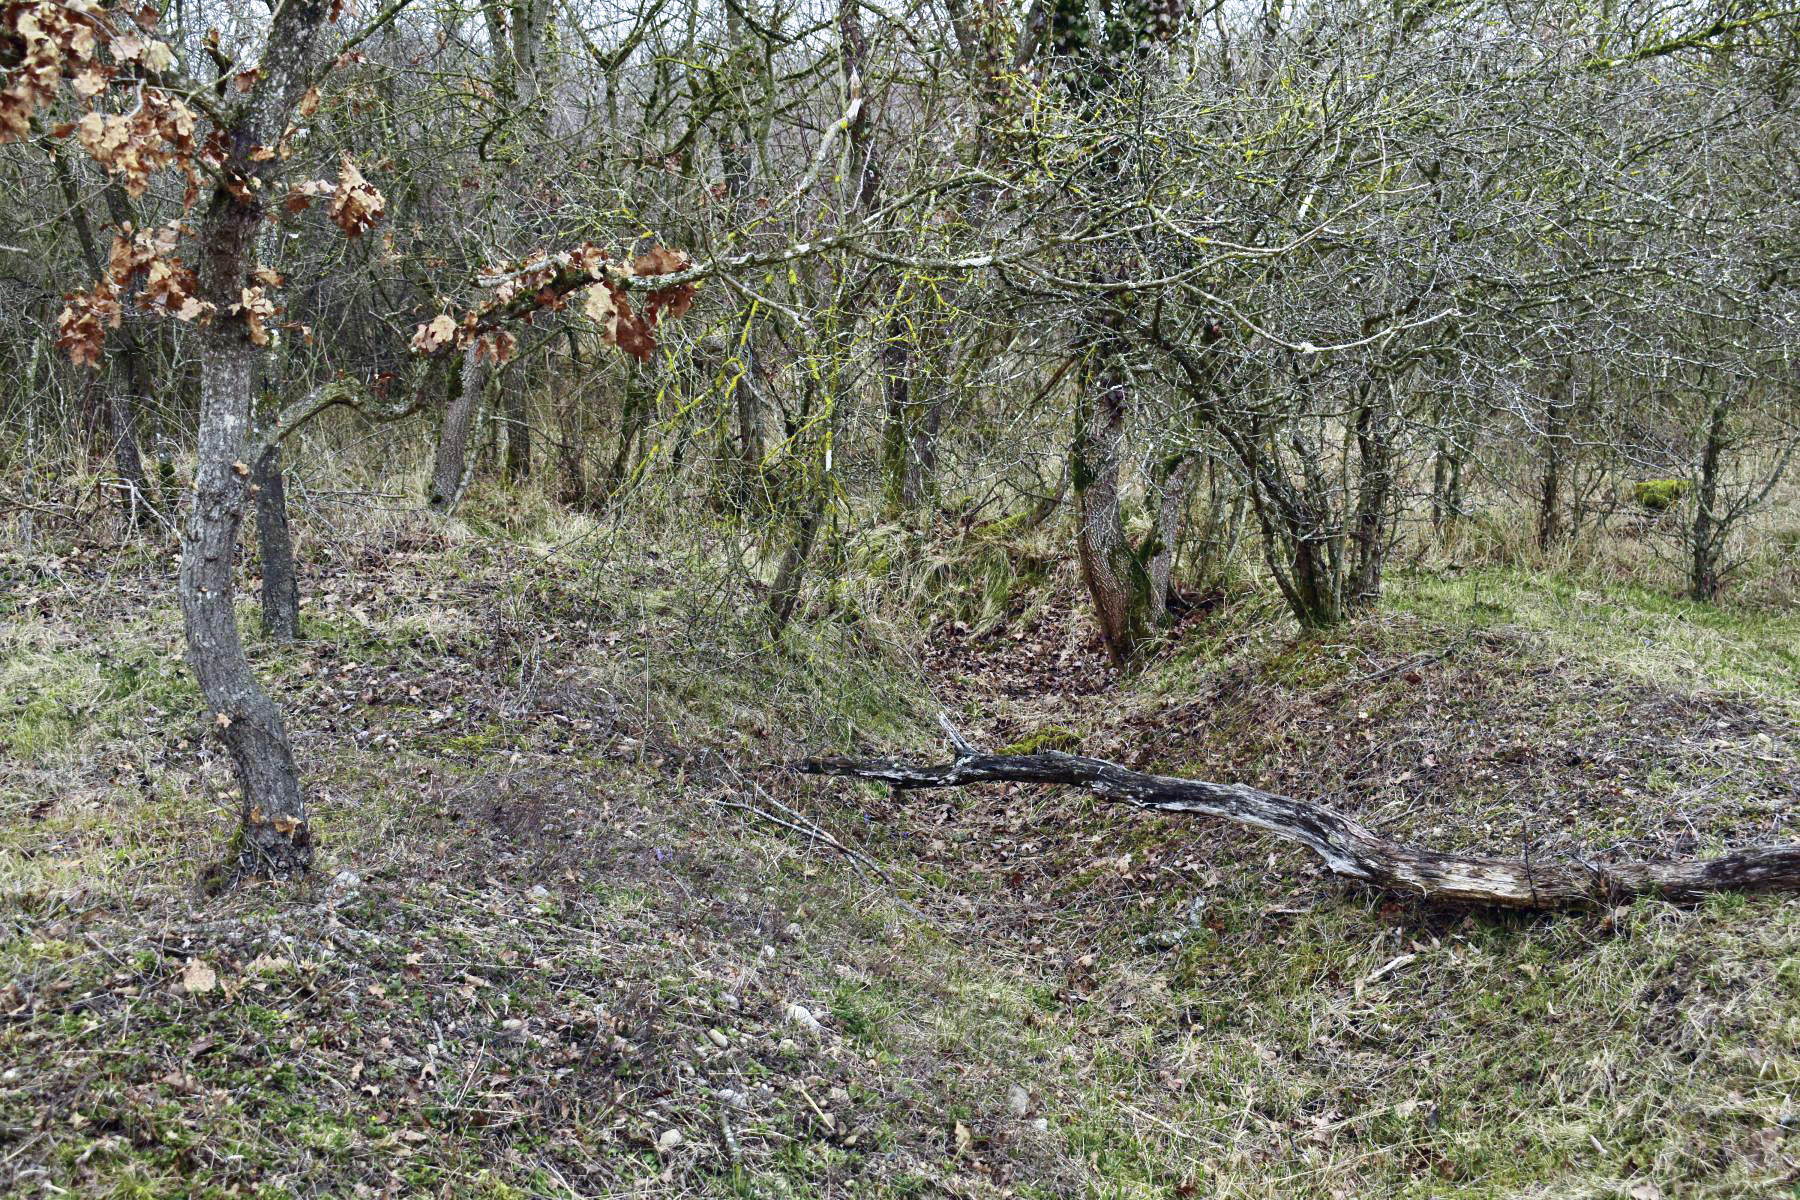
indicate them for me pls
(718, 1038)
(346, 880)
(728, 1000)
(539, 893)
(670, 1139)
(1041, 1124)
(799, 1014)
(1018, 1100)
(793, 930)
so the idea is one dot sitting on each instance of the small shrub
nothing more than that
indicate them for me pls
(1050, 737)
(1658, 495)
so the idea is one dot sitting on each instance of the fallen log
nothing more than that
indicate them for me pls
(1347, 847)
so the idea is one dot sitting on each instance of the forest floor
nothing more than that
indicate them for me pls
(575, 932)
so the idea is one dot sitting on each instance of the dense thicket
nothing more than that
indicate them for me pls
(1321, 279)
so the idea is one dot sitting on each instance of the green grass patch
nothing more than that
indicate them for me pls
(1647, 633)
(61, 694)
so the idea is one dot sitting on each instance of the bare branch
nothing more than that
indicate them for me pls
(1347, 847)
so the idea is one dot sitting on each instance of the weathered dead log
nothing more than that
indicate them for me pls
(1349, 848)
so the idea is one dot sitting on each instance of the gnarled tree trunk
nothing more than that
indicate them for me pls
(1706, 539)
(1116, 581)
(276, 839)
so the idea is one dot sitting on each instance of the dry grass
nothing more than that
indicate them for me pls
(533, 915)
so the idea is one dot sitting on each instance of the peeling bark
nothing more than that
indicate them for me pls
(1348, 848)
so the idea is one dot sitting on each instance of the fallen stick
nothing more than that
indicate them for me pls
(1348, 848)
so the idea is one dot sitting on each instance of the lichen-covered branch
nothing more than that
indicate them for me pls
(1347, 847)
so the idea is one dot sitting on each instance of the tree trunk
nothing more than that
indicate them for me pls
(736, 167)
(1296, 525)
(910, 428)
(132, 367)
(897, 470)
(571, 453)
(275, 549)
(1301, 534)
(922, 466)
(516, 33)
(1556, 436)
(275, 837)
(1116, 580)
(1347, 847)
(1217, 540)
(518, 427)
(1707, 539)
(1171, 520)
(784, 593)
(130, 376)
(749, 414)
(1446, 476)
(121, 411)
(276, 840)
(634, 415)
(1370, 530)
(449, 474)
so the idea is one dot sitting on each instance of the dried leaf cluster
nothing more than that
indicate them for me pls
(543, 284)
